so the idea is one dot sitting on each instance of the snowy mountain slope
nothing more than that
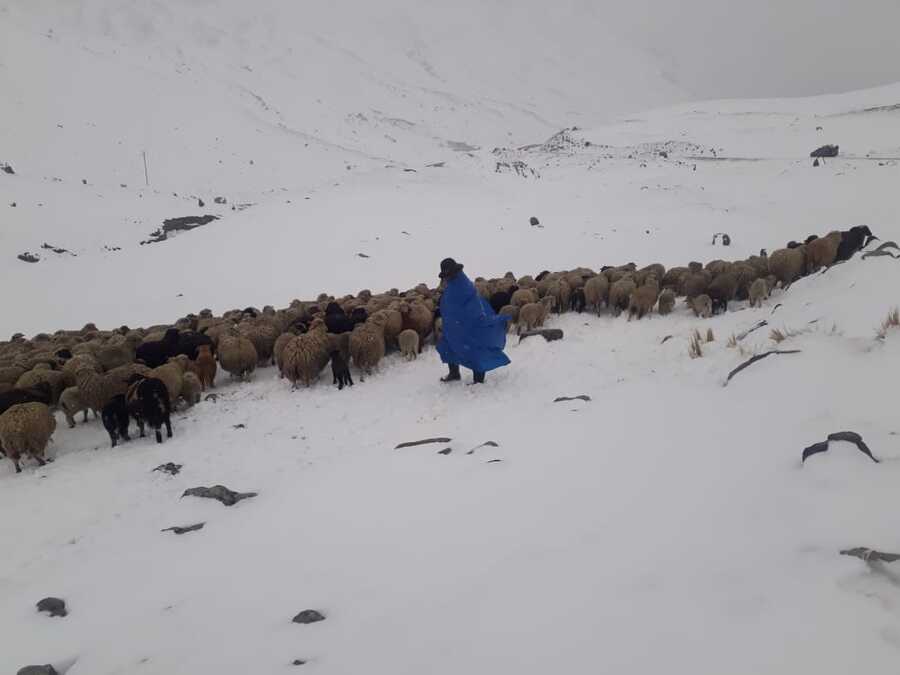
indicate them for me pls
(667, 511)
(614, 200)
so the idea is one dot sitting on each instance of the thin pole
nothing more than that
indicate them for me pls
(146, 173)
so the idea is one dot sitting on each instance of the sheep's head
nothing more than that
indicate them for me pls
(181, 361)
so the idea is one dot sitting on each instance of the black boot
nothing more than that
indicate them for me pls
(477, 377)
(453, 375)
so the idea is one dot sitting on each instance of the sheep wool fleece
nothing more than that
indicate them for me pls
(473, 335)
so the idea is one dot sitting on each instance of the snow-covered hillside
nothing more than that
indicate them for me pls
(665, 525)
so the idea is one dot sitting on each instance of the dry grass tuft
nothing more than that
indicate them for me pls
(732, 341)
(892, 320)
(709, 335)
(695, 348)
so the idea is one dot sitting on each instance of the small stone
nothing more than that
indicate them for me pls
(169, 468)
(298, 662)
(445, 451)
(6, 168)
(184, 529)
(220, 493)
(308, 616)
(220, 200)
(534, 222)
(53, 607)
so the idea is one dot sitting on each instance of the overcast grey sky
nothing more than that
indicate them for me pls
(759, 48)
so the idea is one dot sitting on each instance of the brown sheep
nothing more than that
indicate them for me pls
(56, 380)
(391, 322)
(674, 278)
(695, 283)
(523, 296)
(620, 294)
(172, 375)
(821, 252)
(745, 274)
(759, 291)
(409, 344)
(367, 344)
(278, 351)
(666, 302)
(702, 305)
(722, 290)
(656, 270)
(204, 367)
(71, 404)
(306, 355)
(25, 429)
(643, 298)
(262, 333)
(534, 314)
(96, 389)
(596, 292)
(788, 264)
(416, 316)
(191, 388)
(237, 355)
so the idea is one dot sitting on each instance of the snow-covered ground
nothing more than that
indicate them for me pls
(666, 525)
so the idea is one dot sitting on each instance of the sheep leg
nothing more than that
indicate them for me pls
(16, 464)
(158, 436)
(40, 460)
(71, 420)
(140, 423)
(168, 427)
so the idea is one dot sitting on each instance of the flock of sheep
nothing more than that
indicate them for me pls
(142, 374)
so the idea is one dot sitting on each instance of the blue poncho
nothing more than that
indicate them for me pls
(473, 335)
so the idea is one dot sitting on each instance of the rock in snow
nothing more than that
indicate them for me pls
(309, 616)
(53, 607)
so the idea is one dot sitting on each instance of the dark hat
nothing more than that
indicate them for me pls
(449, 268)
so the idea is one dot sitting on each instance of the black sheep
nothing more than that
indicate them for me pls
(334, 308)
(853, 240)
(189, 341)
(340, 370)
(540, 277)
(39, 393)
(155, 354)
(148, 402)
(338, 323)
(115, 419)
(501, 299)
(359, 315)
(577, 300)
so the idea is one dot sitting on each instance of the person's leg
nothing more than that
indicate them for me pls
(477, 377)
(453, 375)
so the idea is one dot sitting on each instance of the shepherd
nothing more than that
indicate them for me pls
(473, 335)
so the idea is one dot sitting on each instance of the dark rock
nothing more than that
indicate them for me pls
(580, 397)
(445, 451)
(12, 204)
(220, 200)
(298, 662)
(37, 670)
(362, 255)
(493, 461)
(7, 168)
(309, 616)
(487, 444)
(53, 607)
(239, 426)
(425, 441)
(848, 436)
(219, 492)
(825, 151)
(200, 203)
(183, 224)
(28, 257)
(664, 154)
(816, 162)
(549, 334)
(211, 397)
(169, 468)
(534, 222)
(183, 529)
